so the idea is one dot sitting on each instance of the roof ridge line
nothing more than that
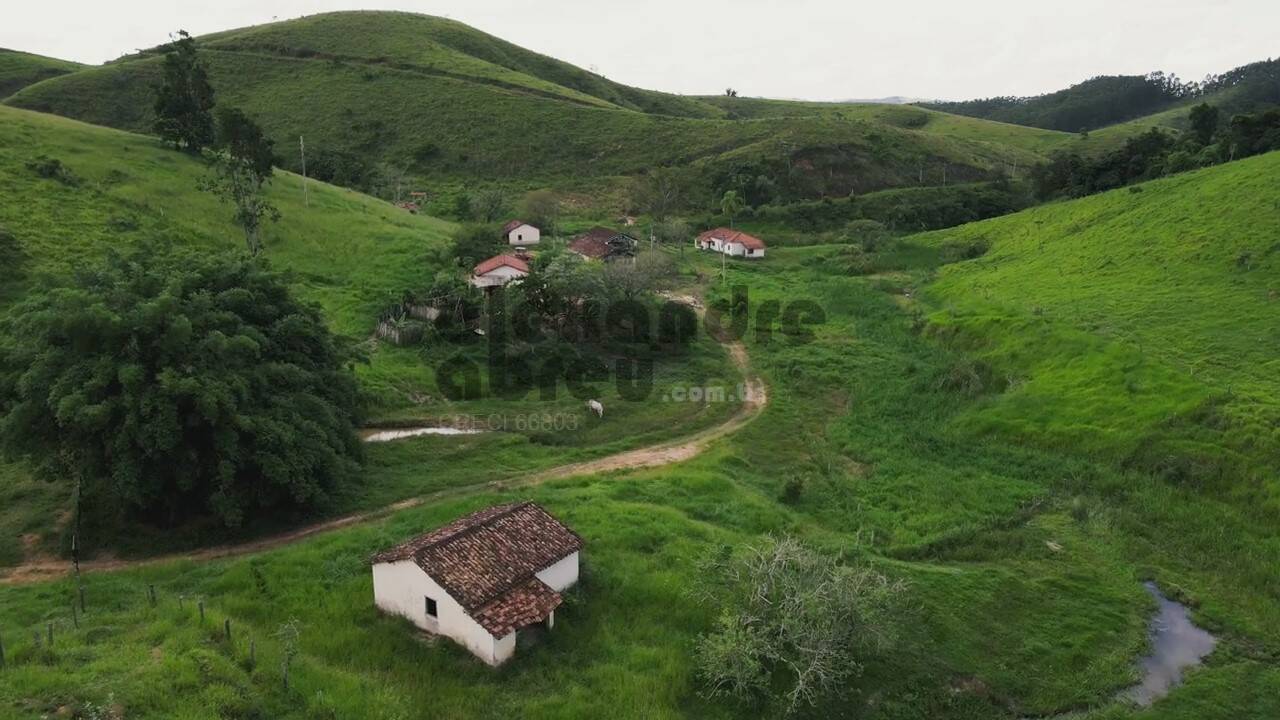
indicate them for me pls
(473, 527)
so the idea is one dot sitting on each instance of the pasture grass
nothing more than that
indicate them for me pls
(999, 623)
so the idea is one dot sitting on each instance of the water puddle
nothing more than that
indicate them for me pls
(380, 436)
(1176, 644)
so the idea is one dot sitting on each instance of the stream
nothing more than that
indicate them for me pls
(1176, 644)
(380, 436)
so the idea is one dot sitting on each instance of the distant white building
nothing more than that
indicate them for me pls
(498, 271)
(731, 242)
(519, 233)
(481, 579)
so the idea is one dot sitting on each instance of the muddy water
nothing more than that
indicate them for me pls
(1176, 644)
(379, 436)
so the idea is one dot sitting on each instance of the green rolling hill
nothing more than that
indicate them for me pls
(1115, 108)
(1139, 324)
(451, 105)
(19, 69)
(351, 253)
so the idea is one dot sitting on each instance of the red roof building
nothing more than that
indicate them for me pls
(731, 242)
(481, 578)
(499, 270)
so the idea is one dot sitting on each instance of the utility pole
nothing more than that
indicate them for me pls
(302, 148)
(75, 541)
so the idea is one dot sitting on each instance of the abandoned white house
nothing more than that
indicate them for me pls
(521, 233)
(731, 242)
(498, 271)
(481, 578)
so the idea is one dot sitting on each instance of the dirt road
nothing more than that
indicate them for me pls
(39, 569)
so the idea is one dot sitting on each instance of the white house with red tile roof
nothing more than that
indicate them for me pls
(520, 233)
(482, 578)
(731, 242)
(499, 270)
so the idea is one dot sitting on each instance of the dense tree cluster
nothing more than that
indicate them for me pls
(177, 385)
(1157, 152)
(1107, 100)
(905, 210)
(1094, 103)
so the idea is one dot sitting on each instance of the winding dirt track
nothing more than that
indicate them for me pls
(48, 568)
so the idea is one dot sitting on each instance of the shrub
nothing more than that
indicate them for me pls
(793, 490)
(791, 620)
(954, 252)
(966, 377)
(53, 169)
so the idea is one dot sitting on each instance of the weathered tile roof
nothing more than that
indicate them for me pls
(498, 261)
(730, 236)
(519, 607)
(506, 229)
(601, 242)
(487, 561)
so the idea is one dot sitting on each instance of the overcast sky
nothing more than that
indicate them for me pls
(812, 49)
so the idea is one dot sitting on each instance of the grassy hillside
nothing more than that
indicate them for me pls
(1139, 324)
(451, 105)
(1024, 566)
(437, 45)
(19, 69)
(350, 254)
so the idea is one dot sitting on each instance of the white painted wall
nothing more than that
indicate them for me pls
(498, 276)
(561, 575)
(402, 588)
(524, 235)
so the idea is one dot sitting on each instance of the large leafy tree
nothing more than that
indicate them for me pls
(184, 98)
(175, 385)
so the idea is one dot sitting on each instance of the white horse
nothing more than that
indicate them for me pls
(595, 407)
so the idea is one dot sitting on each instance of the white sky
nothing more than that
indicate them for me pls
(812, 49)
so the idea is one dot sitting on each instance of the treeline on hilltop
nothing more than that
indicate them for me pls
(1156, 153)
(1107, 100)
(900, 210)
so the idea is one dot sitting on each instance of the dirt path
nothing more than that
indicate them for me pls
(756, 397)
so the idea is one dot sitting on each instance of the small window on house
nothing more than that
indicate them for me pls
(432, 610)
(520, 236)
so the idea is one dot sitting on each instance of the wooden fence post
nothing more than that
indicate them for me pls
(50, 627)
(253, 654)
(226, 629)
(151, 592)
(201, 605)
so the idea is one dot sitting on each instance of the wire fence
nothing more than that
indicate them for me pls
(39, 645)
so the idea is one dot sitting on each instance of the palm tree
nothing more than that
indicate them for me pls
(731, 204)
